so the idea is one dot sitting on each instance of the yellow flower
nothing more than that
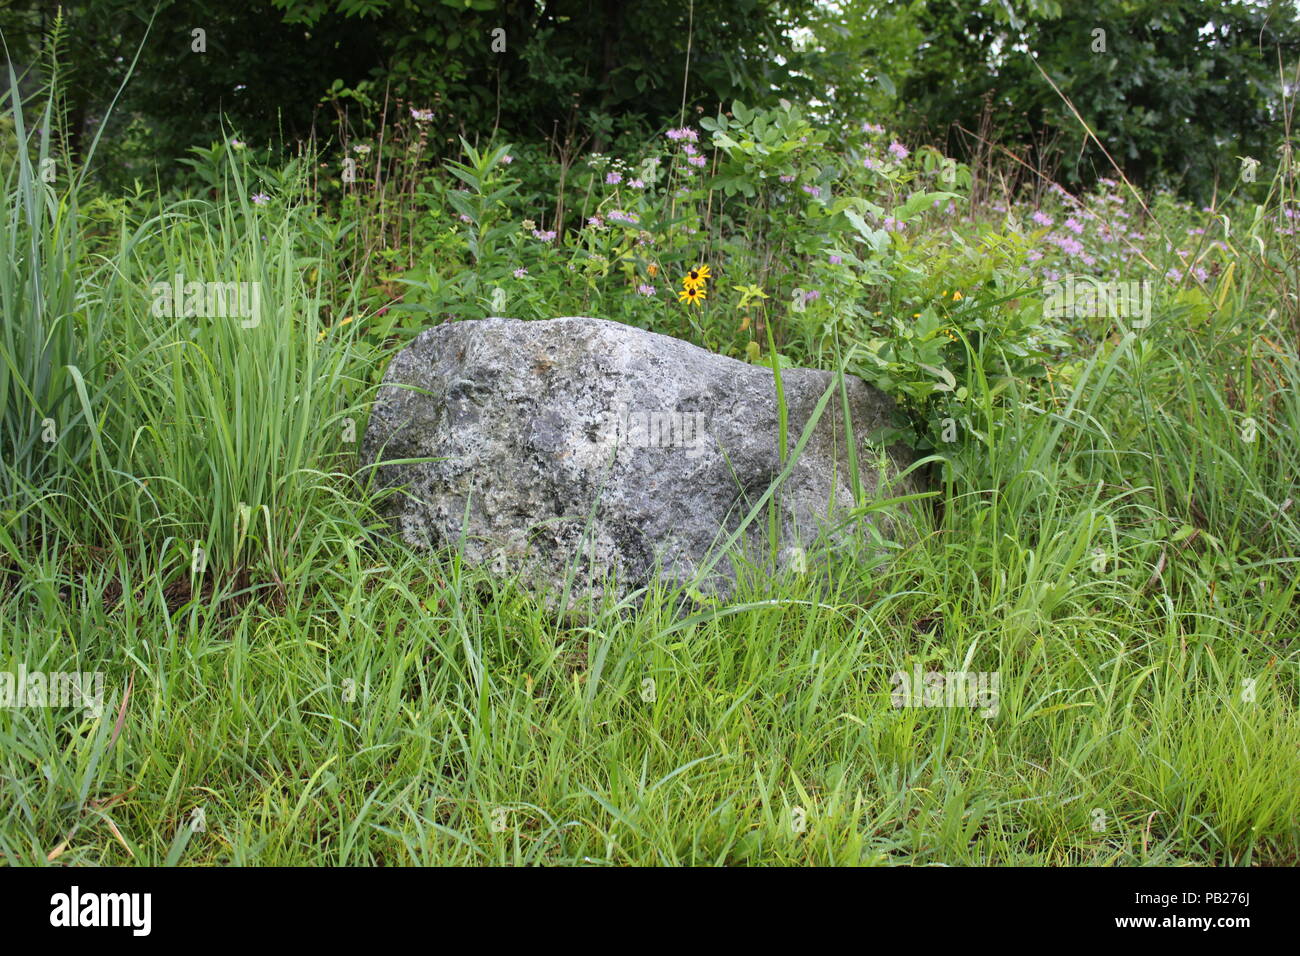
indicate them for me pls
(956, 296)
(693, 295)
(344, 321)
(652, 269)
(697, 278)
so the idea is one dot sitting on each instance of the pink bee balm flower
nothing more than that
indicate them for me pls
(613, 179)
(645, 290)
(899, 150)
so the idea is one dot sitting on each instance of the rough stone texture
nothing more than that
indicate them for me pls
(582, 446)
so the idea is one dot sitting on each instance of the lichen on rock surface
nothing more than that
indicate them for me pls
(567, 450)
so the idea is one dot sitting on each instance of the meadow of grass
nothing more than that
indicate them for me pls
(183, 511)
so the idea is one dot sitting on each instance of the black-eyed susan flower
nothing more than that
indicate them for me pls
(696, 278)
(692, 295)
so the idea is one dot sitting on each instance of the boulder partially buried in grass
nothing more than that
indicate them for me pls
(574, 450)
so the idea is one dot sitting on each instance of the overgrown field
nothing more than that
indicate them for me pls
(1113, 531)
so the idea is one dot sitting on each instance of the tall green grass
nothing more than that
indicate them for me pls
(218, 443)
(1114, 548)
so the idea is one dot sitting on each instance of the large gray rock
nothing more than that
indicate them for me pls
(580, 447)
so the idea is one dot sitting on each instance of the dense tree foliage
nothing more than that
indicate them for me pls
(1176, 89)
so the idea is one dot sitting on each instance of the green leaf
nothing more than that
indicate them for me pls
(919, 202)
